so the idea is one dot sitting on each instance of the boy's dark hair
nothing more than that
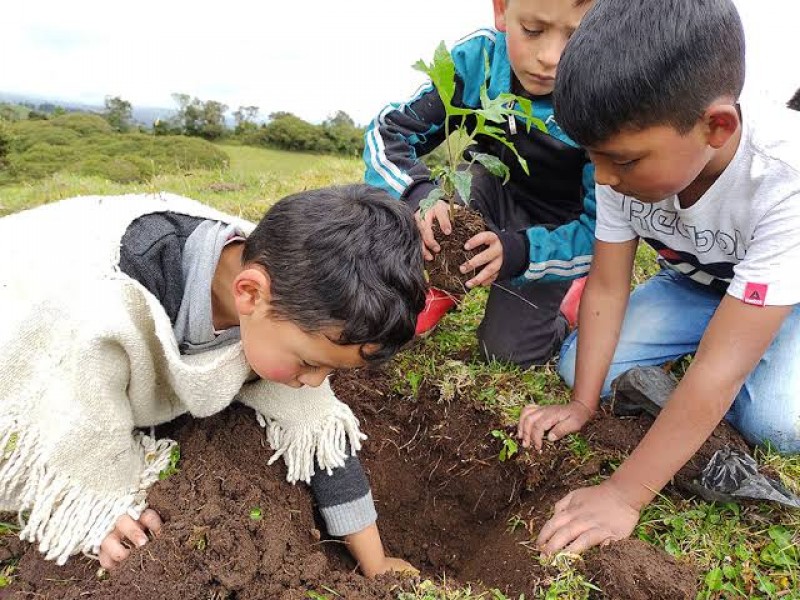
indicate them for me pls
(348, 257)
(633, 64)
(794, 103)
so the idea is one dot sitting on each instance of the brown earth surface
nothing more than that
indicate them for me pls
(445, 503)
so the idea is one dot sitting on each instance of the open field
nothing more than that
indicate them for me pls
(434, 397)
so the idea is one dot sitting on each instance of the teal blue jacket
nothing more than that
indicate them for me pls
(558, 194)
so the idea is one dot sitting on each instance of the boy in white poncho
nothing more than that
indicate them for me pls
(129, 311)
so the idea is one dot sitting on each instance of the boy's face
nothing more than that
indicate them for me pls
(280, 351)
(536, 33)
(653, 163)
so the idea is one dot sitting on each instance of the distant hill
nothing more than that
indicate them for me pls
(143, 115)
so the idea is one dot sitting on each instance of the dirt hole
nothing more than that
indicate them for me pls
(445, 503)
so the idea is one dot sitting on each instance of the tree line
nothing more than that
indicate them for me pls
(207, 119)
(194, 117)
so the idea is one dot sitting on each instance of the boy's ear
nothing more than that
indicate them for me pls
(499, 14)
(251, 290)
(722, 122)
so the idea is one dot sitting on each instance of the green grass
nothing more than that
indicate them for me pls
(255, 180)
(743, 552)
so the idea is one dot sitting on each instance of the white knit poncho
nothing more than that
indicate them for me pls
(87, 355)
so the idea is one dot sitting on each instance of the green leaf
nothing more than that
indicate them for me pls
(255, 514)
(729, 571)
(494, 165)
(442, 72)
(430, 200)
(714, 579)
(672, 548)
(495, 110)
(522, 162)
(462, 182)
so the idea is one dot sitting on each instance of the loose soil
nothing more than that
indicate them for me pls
(443, 272)
(446, 504)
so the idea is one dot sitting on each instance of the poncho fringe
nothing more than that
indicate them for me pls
(61, 514)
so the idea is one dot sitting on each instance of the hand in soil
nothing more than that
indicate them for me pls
(127, 533)
(397, 565)
(441, 212)
(556, 421)
(491, 259)
(588, 517)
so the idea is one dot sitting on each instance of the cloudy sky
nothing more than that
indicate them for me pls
(309, 57)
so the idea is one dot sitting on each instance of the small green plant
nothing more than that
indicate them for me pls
(510, 446)
(414, 380)
(199, 538)
(172, 466)
(514, 523)
(469, 123)
(318, 596)
(578, 446)
(6, 528)
(7, 575)
(255, 514)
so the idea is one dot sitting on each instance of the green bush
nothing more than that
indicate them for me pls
(120, 170)
(87, 145)
(288, 132)
(5, 143)
(83, 123)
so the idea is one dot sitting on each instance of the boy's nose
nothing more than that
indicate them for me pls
(316, 378)
(550, 53)
(605, 176)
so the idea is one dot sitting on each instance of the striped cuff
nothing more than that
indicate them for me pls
(350, 517)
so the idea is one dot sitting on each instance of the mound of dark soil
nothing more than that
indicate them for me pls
(647, 573)
(443, 272)
(445, 503)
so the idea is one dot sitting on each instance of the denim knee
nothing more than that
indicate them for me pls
(772, 419)
(566, 359)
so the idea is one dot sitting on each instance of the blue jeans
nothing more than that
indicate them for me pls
(667, 316)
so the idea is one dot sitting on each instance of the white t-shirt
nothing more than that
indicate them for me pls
(743, 235)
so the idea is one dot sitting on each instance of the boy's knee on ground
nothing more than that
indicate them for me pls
(505, 342)
(762, 424)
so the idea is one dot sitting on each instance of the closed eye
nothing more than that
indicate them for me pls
(626, 163)
(531, 32)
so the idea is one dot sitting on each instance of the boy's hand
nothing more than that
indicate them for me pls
(491, 257)
(441, 212)
(558, 420)
(396, 565)
(588, 517)
(127, 533)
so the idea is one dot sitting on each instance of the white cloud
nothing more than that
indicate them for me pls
(311, 57)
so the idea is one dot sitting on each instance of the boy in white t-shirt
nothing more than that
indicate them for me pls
(651, 89)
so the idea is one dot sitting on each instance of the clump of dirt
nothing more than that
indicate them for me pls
(214, 545)
(445, 502)
(636, 570)
(443, 271)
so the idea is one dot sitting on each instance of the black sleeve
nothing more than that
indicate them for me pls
(151, 252)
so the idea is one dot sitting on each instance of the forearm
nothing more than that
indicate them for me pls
(686, 422)
(367, 549)
(734, 342)
(601, 314)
